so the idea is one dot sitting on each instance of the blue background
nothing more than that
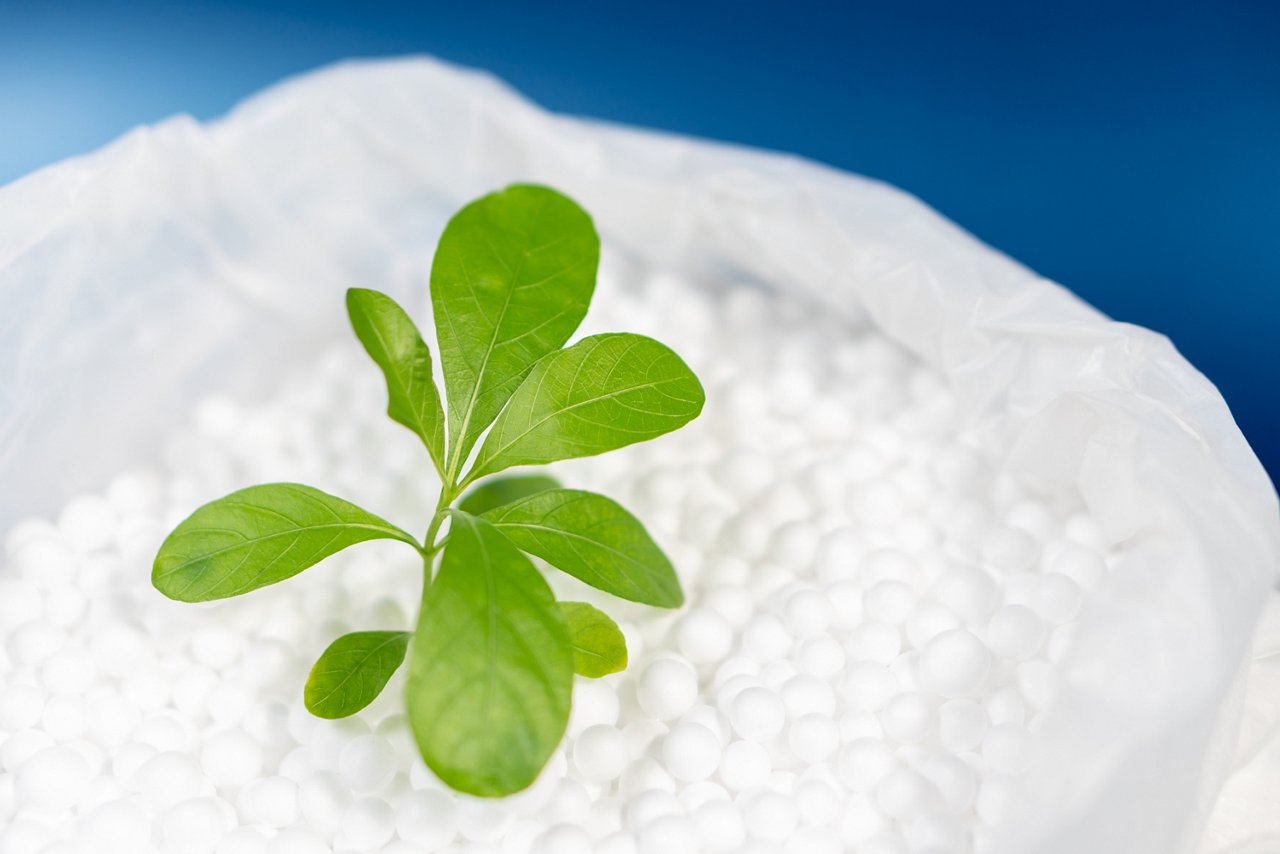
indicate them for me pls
(1130, 151)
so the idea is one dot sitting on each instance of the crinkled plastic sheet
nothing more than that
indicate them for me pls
(187, 258)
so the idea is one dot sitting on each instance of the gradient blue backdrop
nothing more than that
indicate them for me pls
(1130, 151)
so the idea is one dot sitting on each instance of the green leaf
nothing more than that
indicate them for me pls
(352, 672)
(259, 536)
(394, 343)
(604, 392)
(598, 645)
(510, 282)
(491, 668)
(593, 539)
(503, 490)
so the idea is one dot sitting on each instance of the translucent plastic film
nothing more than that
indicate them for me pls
(183, 258)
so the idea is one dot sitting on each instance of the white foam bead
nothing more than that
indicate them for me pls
(640, 734)
(168, 778)
(47, 563)
(600, 753)
(995, 797)
(735, 666)
(961, 725)
(733, 604)
(272, 801)
(194, 826)
(795, 546)
(863, 763)
(620, 842)
(231, 758)
(646, 806)
(691, 752)
(813, 738)
(65, 718)
(367, 823)
(927, 621)
(742, 473)
(908, 718)
(20, 602)
(1015, 632)
(21, 707)
(127, 763)
(25, 836)
(122, 821)
(775, 674)
(720, 826)
(329, 737)
(803, 694)
(569, 800)
(485, 821)
(216, 646)
(889, 601)
(856, 725)
(745, 534)
(696, 794)
(34, 642)
(116, 647)
(769, 815)
(1006, 706)
(297, 840)
(845, 600)
(968, 591)
(562, 839)
(147, 688)
(53, 779)
(954, 664)
(867, 685)
(820, 655)
(757, 714)
(1082, 565)
(954, 780)
(704, 636)
(903, 792)
(839, 553)
(322, 800)
(65, 607)
(874, 641)
(1056, 598)
(643, 775)
(244, 840)
(88, 521)
(367, 763)
(165, 732)
(744, 765)
(21, 746)
(1009, 550)
(428, 818)
(806, 612)
(595, 702)
(1007, 748)
(818, 800)
(667, 689)
(297, 765)
(1061, 640)
(726, 570)
(668, 834)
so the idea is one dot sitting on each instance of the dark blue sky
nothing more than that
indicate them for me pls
(1128, 150)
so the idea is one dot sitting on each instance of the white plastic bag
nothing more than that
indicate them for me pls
(183, 258)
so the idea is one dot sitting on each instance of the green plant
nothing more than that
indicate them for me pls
(492, 658)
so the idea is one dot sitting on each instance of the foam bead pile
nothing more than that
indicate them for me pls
(874, 615)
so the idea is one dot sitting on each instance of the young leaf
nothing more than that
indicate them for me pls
(259, 536)
(352, 672)
(604, 392)
(491, 668)
(394, 343)
(598, 645)
(510, 282)
(593, 539)
(503, 490)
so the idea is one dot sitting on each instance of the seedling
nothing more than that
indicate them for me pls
(492, 658)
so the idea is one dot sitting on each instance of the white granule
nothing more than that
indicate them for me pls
(874, 614)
